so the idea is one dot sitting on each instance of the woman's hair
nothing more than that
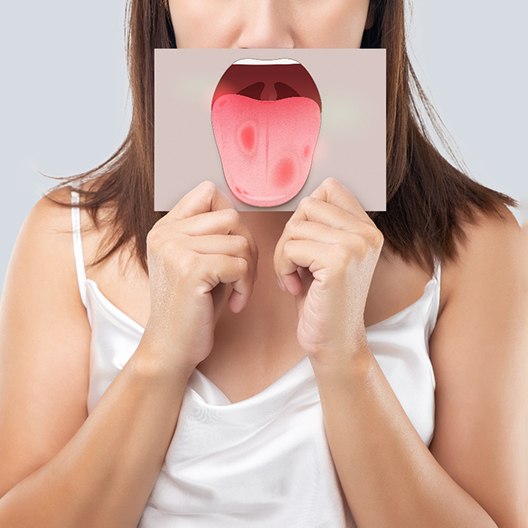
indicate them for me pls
(427, 198)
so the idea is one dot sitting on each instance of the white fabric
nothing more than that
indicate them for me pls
(264, 461)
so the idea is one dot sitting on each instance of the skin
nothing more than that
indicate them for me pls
(269, 23)
(472, 473)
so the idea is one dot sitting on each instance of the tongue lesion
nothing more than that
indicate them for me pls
(278, 91)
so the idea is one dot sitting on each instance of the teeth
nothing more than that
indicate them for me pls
(266, 61)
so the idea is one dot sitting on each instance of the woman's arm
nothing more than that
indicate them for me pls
(58, 466)
(473, 475)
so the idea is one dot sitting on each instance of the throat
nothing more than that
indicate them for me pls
(269, 317)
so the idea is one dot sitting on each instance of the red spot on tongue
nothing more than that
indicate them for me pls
(247, 137)
(283, 173)
(265, 145)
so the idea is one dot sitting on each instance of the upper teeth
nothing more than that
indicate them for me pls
(266, 61)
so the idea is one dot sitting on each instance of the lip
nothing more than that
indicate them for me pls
(260, 78)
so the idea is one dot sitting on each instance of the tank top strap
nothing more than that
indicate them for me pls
(77, 245)
(437, 269)
(437, 276)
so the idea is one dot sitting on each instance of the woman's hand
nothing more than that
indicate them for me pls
(197, 248)
(326, 257)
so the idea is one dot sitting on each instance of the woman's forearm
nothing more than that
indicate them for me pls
(389, 476)
(105, 473)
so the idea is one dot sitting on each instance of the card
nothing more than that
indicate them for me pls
(268, 125)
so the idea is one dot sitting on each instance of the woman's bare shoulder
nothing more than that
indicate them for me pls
(116, 271)
(97, 232)
(489, 242)
(46, 231)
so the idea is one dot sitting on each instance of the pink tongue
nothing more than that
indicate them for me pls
(266, 147)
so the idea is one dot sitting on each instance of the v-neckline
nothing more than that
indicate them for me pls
(302, 364)
(303, 367)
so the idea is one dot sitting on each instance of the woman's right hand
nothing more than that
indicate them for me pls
(193, 252)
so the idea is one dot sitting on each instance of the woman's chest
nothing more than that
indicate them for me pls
(256, 347)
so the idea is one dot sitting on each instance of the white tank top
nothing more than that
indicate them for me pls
(264, 461)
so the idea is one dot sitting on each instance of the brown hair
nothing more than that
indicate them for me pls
(427, 197)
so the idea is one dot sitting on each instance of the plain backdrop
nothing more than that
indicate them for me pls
(65, 104)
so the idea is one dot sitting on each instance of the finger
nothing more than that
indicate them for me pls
(229, 270)
(301, 229)
(203, 198)
(233, 245)
(307, 230)
(191, 213)
(317, 210)
(223, 221)
(305, 254)
(335, 192)
(219, 222)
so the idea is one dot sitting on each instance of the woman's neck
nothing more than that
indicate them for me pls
(266, 227)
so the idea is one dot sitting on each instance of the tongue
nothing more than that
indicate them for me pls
(266, 147)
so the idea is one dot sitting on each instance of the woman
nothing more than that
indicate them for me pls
(194, 392)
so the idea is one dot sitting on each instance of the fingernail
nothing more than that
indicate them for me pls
(281, 285)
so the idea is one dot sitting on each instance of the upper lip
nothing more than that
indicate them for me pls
(251, 79)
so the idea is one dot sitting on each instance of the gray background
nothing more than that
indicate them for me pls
(65, 104)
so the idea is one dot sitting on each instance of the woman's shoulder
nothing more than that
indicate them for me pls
(490, 245)
(52, 214)
(98, 233)
(484, 288)
(487, 226)
(43, 251)
(47, 226)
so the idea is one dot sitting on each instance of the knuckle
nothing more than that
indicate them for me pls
(305, 202)
(243, 265)
(208, 187)
(155, 241)
(233, 216)
(242, 243)
(287, 248)
(380, 238)
(294, 222)
(374, 236)
(152, 236)
(362, 247)
(357, 247)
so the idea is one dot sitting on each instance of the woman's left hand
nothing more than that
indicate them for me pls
(326, 257)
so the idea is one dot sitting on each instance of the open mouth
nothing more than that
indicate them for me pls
(266, 115)
(267, 79)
